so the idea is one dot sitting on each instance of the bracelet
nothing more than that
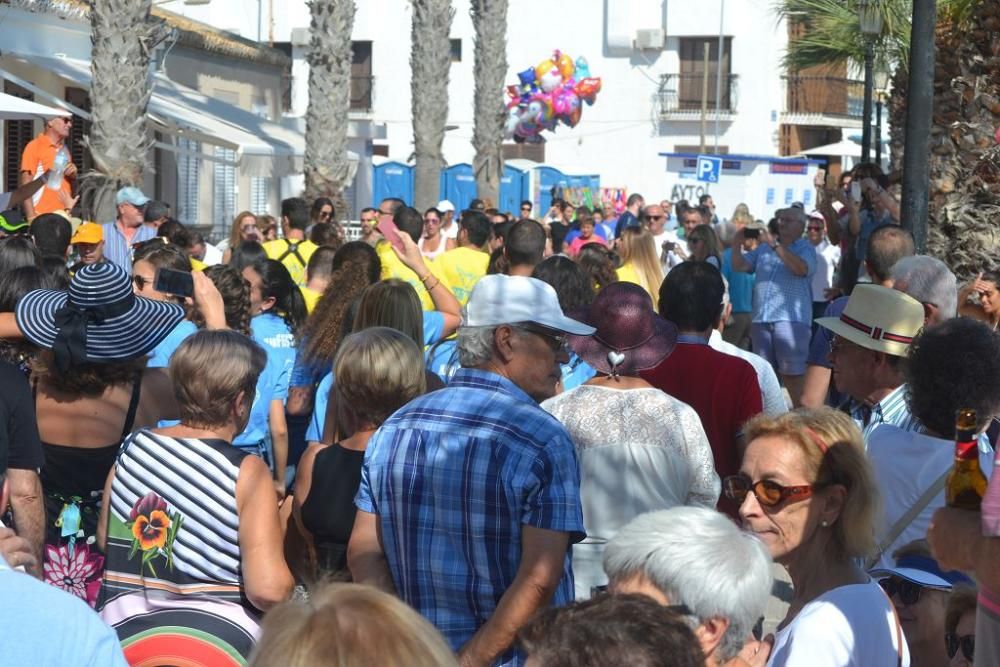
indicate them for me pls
(431, 287)
(426, 278)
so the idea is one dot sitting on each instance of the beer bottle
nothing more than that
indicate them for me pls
(966, 484)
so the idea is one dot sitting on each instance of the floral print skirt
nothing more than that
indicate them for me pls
(72, 561)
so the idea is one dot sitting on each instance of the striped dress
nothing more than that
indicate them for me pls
(173, 585)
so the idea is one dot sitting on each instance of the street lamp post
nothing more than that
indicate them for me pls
(871, 27)
(881, 94)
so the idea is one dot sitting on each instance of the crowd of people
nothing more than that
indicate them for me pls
(584, 439)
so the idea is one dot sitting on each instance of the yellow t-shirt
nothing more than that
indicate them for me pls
(393, 267)
(462, 269)
(296, 265)
(310, 296)
(198, 265)
(628, 274)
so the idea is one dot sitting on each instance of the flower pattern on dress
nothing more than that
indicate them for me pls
(77, 574)
(154, 528)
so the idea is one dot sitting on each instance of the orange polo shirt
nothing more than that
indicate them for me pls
(38, 157)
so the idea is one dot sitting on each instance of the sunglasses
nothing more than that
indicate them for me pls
(906, 591)
(525, 208)
(557, 343)
(768, 493)
(141, 282)
(967, 643)
(653, 217)
(814, 228)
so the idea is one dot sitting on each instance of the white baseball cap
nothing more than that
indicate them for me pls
(498, 299)
(444, 206)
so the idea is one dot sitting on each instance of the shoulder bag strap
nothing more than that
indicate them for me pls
(905, 520)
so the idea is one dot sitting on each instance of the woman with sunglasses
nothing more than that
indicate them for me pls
(920, 589)
(244, 229)
(960, 627)
(806, 489)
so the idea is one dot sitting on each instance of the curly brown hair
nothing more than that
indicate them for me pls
(88, 379)
(235, 291)
(598, 262)
(322, 330)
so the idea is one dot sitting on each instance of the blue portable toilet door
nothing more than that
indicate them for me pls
(458, 185)
(548, 178)
(392, 179)
(513, 189)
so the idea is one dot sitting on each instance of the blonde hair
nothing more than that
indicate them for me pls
(378, 371)
(235, 235)
(639, 250)
(345, 625)
(209, 370)
(741, 215)
(834, 453)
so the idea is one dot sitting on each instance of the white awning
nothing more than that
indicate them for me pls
(843, 148)
(15, 108)
(262, 147)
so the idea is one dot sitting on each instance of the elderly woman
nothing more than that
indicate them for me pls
(378, 370)
(190, 526)
(698, 563)
(806, 489)
(640, 449)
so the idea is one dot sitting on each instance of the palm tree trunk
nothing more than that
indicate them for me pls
(121, 34)
(489, 20)
(326, 166)
(430, 65)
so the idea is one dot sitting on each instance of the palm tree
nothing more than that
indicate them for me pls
(964, 160)
(327, 169)
(489, 20)
(430, 64)
(122, 34)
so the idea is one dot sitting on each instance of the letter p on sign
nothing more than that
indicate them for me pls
(708, 169)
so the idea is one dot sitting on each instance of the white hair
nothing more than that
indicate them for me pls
(699, 558)
(475, 345)
(928, 280)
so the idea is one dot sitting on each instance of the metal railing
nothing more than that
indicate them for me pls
(682, 93)
(362, 88)
(824, 95)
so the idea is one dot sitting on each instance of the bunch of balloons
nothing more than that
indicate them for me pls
(549, 93)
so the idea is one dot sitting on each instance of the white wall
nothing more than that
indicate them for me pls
(621, 136)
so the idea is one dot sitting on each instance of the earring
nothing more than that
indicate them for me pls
(824, 524)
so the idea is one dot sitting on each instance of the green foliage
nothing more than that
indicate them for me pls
(833, 31)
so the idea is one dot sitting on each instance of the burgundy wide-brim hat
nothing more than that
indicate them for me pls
(630, 335)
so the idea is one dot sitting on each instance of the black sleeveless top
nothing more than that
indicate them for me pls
(328, 512)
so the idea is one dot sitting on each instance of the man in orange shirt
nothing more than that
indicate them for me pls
(39, 156)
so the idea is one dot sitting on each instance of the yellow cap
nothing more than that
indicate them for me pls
(88, 232)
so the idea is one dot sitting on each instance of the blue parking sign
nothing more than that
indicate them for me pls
(708, 169)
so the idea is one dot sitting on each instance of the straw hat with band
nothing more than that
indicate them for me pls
(878, 318)
(629, 337)
(98, 320)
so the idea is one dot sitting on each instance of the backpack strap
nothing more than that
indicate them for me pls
(293, 249)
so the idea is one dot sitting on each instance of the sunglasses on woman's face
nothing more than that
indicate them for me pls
(905, 591)
(768, 493)
(967, 643)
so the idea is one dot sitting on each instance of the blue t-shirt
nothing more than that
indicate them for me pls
(43, 625)
(433, 328)
(160, 356)
(276, 337)
(740, 284)
(273, 334)
(442, 360)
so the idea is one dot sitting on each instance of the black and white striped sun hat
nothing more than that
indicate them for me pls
(98, 320)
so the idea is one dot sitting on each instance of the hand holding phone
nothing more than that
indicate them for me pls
(388, 229)
(751, 233)
(171, 281)
(856, 192)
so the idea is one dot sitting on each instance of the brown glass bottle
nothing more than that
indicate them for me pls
(966, 484)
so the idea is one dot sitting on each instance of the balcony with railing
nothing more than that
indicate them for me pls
(362, 88)
(823, 100)
(681, 96)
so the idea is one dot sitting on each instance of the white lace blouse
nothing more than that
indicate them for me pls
(640, 450)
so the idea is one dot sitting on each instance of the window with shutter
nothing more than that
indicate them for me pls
(692, 56)
(260, 194)
(188, 166)
(223, 193)
(17, 135)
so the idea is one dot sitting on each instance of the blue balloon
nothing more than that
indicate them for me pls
(582, 69)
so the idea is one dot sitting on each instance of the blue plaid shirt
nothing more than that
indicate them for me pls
(453, 476)
(778, 294)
